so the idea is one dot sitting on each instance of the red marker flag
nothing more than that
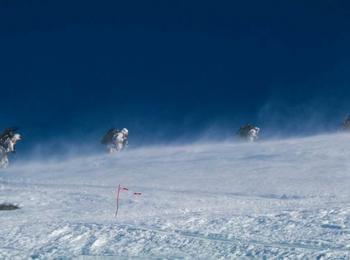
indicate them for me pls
(120, 189)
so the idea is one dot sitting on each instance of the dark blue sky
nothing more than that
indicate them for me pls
(73, 68)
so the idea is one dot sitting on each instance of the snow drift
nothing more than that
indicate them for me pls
(287, 198)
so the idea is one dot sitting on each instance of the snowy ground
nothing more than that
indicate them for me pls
(276, 199)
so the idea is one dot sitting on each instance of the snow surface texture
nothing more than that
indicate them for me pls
(275, 199)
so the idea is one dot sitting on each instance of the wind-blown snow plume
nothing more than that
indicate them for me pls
(286, 198)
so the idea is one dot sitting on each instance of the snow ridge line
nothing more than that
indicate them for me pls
(212, 237)
(11, 248)
(219, 238)
(229, 194)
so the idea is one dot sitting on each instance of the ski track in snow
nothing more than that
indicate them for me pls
(270, 200)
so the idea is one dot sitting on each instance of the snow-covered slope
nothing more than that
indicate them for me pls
(275, 199)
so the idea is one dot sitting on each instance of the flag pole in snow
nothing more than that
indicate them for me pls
(118, 191)
(120, 188)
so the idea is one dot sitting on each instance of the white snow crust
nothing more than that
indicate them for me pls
(269, 200)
